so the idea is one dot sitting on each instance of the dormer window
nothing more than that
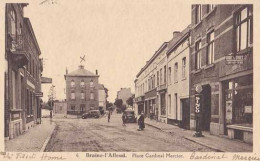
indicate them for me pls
(72, 83)
(82, 83)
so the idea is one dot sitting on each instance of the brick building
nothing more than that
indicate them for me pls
(221, 32)
(81, 91)
(22, 74)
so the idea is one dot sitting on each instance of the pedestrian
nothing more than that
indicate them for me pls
(123, 119)
(141, 122)
(108, 116)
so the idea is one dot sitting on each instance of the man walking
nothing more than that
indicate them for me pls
(108, 116)
(141, 122)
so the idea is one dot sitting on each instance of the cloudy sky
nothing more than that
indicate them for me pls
(117, 37)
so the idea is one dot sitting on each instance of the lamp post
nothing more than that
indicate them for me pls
(198, 107)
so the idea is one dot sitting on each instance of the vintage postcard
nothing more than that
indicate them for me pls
(129, 80)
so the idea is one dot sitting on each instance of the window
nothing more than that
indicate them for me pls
(72, 83)
(82, 95)
(72, 107)
(210, 7)
(210, 48)
(198, 55)
(170, 106)
(244, 28)
(198, 13)
(13, 22)
(82, 83)
(184, 67)
(176, 72)
(164, 76)
(169, 75)
(91, 83)
(160, 76)
(72, 95)
(91, 95)
(157, 78)
(14, 88)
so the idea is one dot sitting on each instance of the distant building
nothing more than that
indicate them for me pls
(124, 94)
(60, 107)
(81, 91)
(102, 99)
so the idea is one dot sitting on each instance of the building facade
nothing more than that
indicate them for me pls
(178, 108)
(23, 73)
(222, 64)
(60, 107)
(102, 97)
(81, 91)
(124, 94)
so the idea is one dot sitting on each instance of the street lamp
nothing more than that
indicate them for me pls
(198, 107)
(51, 98)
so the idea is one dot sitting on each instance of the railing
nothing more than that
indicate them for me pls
(16, 43)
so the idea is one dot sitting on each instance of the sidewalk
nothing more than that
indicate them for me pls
(33, 140)
(218, 143)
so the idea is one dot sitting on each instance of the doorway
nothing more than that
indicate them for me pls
(185, 123)
(206, 108)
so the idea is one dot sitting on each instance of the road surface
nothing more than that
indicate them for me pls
(97, 135)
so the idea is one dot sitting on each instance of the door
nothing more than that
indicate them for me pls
(206, 108)
(185, 113)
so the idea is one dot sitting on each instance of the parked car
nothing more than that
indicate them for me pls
(91, 114)
(130, 116)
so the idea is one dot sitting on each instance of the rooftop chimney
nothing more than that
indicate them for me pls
(96, 72)
(81, 67)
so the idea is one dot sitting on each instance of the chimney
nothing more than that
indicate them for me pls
(81, 67)
(176, 33)
(96, 72)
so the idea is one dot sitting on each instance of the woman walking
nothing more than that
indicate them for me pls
(141, 122)
(123, 119)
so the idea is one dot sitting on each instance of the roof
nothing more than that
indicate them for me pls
(81, 72)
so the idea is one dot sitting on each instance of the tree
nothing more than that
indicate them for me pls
(130, 101)
(118, 103)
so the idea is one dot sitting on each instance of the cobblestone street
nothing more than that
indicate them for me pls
(74, 135)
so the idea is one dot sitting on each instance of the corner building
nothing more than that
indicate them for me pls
(218, 33)
(81, 91)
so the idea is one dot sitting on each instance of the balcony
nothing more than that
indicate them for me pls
(16, 46)
(162, 87)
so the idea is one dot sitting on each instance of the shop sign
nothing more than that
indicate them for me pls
(248, 109)
(197, 103)
(229, 111)
(39, 94)
(234, 59)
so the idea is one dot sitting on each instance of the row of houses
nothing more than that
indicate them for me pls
(23, 70)
(213, 56)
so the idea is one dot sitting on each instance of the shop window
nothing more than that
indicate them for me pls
(244, 28)
(198, 55)
(210, 48)
(14, 88)
(72, 107)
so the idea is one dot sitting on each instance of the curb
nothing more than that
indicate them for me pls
(47, 140)
(214, 148)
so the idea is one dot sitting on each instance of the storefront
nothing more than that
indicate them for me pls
(140, 104)
(238, 108)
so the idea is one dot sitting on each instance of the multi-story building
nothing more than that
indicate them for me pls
(124, 94)
(23, 73)
(222, 64)
(102, 97)
(81, 91)
(178, 108)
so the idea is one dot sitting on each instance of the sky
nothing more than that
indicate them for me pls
(116, 37)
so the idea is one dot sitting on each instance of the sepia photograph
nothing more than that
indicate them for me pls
(106, 78)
